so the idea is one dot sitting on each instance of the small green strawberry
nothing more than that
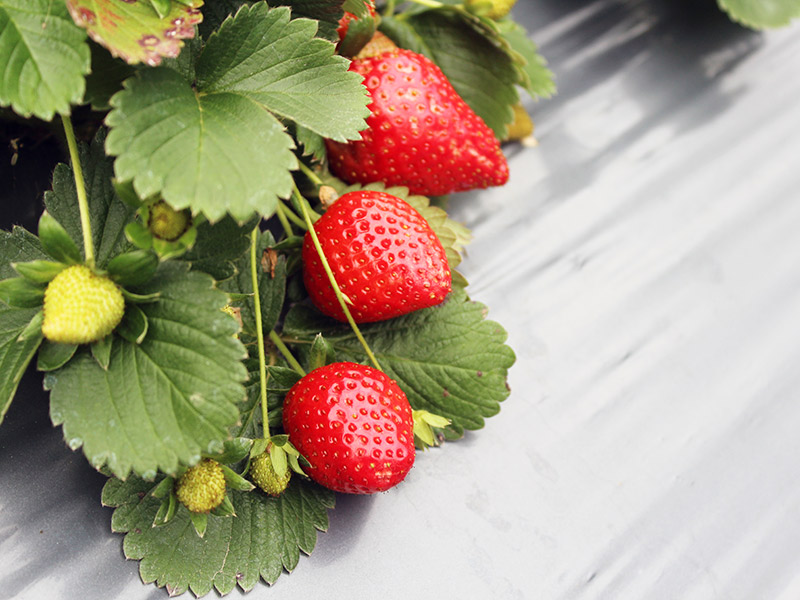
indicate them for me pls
(167, 223)
(201, 488)
(81, 306)
(263, 474)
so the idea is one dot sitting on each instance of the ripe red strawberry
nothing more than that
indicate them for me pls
(421, 133)
(384, 255)
(354, 426)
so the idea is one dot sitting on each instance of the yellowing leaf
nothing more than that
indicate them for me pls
(133, 30)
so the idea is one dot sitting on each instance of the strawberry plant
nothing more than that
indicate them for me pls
(246, 248)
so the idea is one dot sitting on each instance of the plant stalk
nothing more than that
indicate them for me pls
(335, 285)
(80, 187)
(262, 360)
(286, 353)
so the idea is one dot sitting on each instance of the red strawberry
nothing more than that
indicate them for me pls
(386, 258)
(354, 426)
(421, 133)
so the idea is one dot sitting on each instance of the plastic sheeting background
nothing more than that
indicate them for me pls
(645, 259)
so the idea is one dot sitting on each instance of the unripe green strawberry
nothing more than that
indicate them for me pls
(202, 488)
(167, 223)
(81, 307)
(263, 474)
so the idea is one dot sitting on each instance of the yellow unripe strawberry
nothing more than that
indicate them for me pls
(264, 476)
(167, 223)
(522, 125)
(81, 307)
(202, 488)
(493, 9)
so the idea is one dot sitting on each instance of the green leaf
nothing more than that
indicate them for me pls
(214, 13)
(164, 402)
(218, 246)
(134, 325)
(39, 271)
(133, 268)
(327, 12)
(279, 382)
(535, 77)
(106, 78)
(43, 58)
(264, 539)
(761, 14)
(271, 285)
(53, 356)
(16, 247)
(234, 450)
(313, 144)
(459, 372)
(107, 213)
(213, 152)
(263, 55)
(482, 73)
(21, 293)
(101, 350)
(14, 355)
(57, 242)
(135, 31)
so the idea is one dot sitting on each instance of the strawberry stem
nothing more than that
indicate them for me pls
(336, 289)
(262, 361)
(80, 186)
(280, 212)
(310, 174)
(286, 353)
(293, 217)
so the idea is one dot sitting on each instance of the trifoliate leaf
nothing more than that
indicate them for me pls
(277, 62)
(108, 214)
(482, 72)
(135, 31)
(215, 153)
(264, 539)
(535, 77)
(43, 58)
(165, 401)
(761, 14)
(447, 359)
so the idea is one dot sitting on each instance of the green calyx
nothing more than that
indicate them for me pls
(167, 231)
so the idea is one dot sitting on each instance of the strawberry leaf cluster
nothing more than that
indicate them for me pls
(176, 254)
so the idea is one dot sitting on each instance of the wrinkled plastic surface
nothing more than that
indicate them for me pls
(645, 258)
